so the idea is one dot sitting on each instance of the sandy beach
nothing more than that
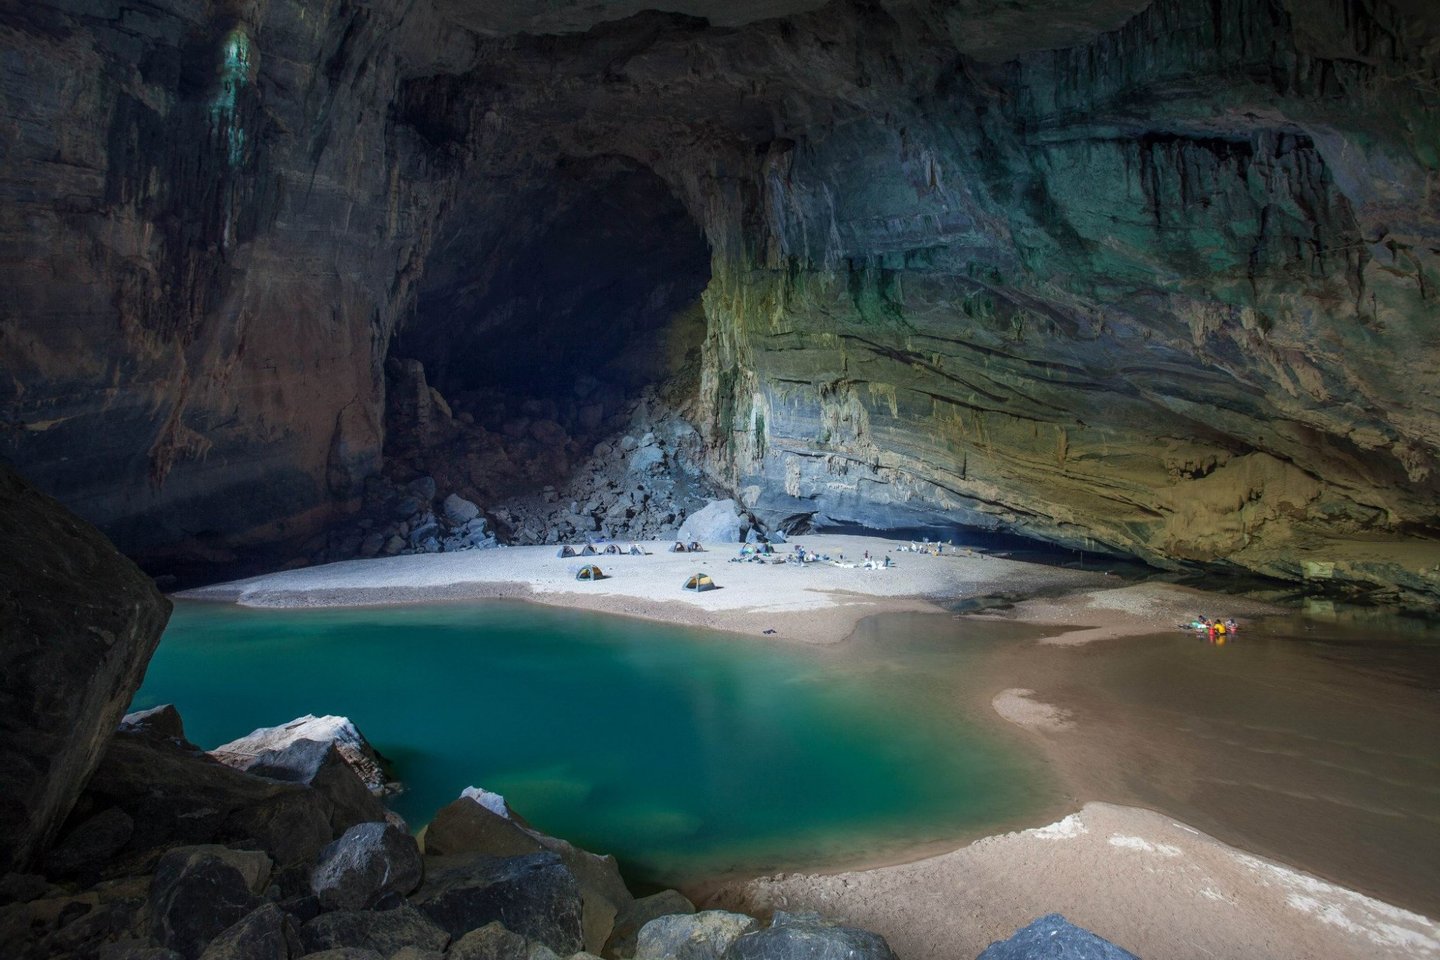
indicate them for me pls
(814, 603)
(1146, 881)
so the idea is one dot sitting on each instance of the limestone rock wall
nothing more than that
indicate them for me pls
(209, 221)
(1166, 289)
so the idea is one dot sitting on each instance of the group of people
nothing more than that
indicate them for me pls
(1216, 630)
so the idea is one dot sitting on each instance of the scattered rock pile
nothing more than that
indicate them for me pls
(406, 518)
(172, 854)
(281, 852)
(640, 484)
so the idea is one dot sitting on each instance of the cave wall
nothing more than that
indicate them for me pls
(1168, 291)
(210, 220)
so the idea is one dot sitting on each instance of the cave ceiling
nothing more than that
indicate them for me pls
(987, 29)
(1158, 279)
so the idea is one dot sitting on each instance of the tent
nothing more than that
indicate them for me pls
(565, 551)
(612, 548)
(635, 550)
(699, 581)
(590, 572)
(679, 547)
(694, 547)
(589, 550)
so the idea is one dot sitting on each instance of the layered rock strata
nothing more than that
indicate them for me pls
(1165, 290)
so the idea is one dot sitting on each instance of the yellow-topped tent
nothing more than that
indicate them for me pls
(699, 581)
(590, 572)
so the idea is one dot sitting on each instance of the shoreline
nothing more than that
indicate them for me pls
(1168, 890)
(818, 604)
(824, 604)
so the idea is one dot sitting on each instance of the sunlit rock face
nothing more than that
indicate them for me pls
(1165, 290)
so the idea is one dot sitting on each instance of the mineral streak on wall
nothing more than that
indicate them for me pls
(1158, 280)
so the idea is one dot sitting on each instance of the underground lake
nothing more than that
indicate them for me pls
(685, 753)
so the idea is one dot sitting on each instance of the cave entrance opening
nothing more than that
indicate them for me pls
(546, 314)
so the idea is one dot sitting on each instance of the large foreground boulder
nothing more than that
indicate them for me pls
(384, 931)
(368, 863)
(480, 822)
(639, 912)
(265, 933)
(534, 895)
(78, 623)
(268, 746)
(175, 793)
(468, 826)
(702, 936)
(805, 936)
(199, 892)
(1053, 937)
(319, 764)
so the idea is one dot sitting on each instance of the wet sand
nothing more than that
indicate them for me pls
(1266, 742)
(1154, 886)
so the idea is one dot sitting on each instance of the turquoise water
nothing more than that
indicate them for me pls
(683, 752)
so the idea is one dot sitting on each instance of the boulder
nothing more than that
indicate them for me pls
(78, 623)
(91, 843)
(199, 892)
(345, 953)
(372, 544)
(481, 822)
(719, 521)
(266, 933)
(78, 925)
(177, 794)
(534, 895)
(702, 936)
(418, 953)
(1053, 937)
(316, 762)
(384, 931)
(370, 861)
(628, 922)
(422, 487)
(162, 721)
(490, 942)
(470, 826)
(603, 893)
(805, 936)
(351, 744)
(458, 510)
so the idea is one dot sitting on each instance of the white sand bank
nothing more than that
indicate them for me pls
(818, 602)
(1156, 887)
